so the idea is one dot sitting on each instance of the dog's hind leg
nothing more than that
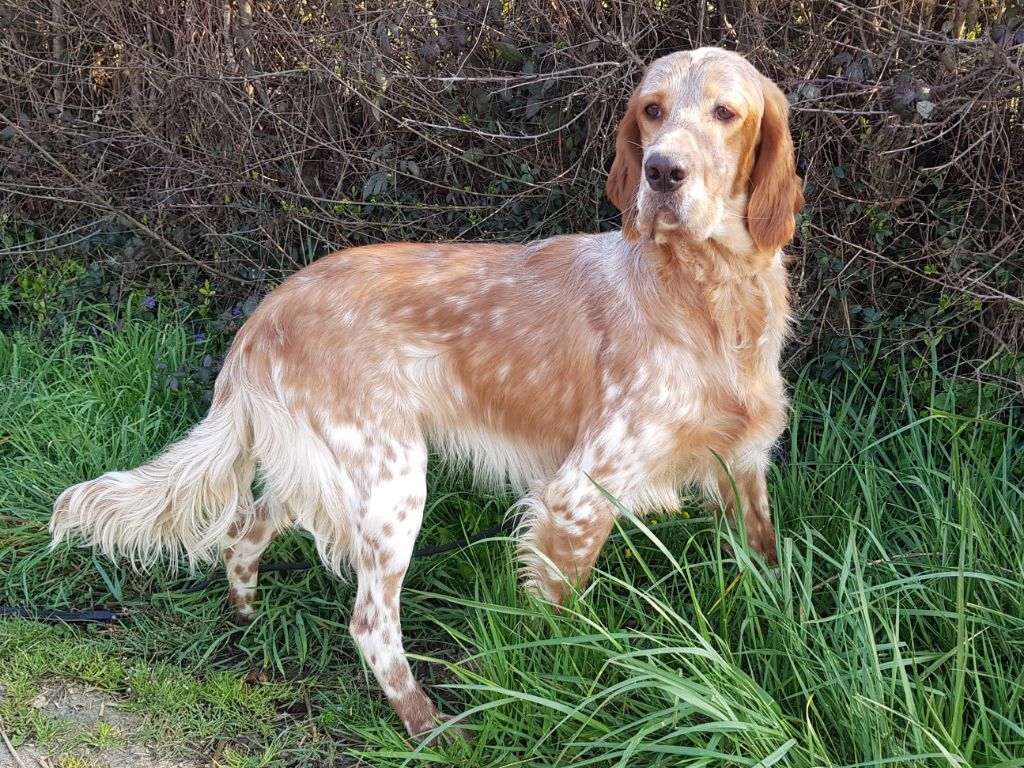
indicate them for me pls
(384, 533)
(248, 538)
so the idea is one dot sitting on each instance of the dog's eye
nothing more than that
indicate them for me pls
(723, 113)
(653, 110)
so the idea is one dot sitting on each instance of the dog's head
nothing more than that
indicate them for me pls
(705, 147)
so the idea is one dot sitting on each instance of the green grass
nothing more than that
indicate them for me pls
(893, 634)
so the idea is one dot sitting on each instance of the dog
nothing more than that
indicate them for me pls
(631, 363)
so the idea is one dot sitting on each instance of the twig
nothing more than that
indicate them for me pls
(995, 294)
(1007, 573)
(126, 218)
(405, 122)
(10, 747)
(879, 561)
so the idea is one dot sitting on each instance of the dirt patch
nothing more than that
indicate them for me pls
(92, 732)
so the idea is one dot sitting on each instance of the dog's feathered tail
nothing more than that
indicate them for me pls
(182, 503)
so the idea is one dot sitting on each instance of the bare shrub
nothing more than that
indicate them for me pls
(241, 139)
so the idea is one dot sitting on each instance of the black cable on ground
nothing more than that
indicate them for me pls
(103, 616)
(72, 617)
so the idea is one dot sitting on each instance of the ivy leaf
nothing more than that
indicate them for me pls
(374, 185)
(508, 52)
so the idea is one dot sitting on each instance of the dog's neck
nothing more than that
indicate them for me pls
(744, 293)
(711, 262)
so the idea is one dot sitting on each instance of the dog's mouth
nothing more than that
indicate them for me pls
(667, 216)
(665, 221)
(677, 215)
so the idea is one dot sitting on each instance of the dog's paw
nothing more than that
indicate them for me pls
(427, 732)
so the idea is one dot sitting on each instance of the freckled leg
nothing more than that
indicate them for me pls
(567, 527)
(242, 556)
(383, 542)
(757, 520)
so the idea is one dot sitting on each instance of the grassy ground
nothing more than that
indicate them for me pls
(893, 635)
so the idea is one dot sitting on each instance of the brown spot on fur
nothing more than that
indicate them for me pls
(259, 534)
(392, 587)
(416, 712)
(362, 622)
(241, 604)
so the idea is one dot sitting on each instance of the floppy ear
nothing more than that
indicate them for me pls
(624, 178)
(776, 192)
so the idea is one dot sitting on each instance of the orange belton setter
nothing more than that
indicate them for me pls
(628, 357)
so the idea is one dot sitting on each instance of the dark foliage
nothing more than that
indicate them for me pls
(176, 142)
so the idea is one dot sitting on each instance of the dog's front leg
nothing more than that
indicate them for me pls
(751, 495)
(566, 525)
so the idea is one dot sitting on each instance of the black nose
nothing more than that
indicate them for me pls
(663, 173)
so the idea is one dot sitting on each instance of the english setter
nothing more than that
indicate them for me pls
(625, 360)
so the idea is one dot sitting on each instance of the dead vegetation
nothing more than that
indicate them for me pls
(241, 139)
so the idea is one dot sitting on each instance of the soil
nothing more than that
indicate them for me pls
(83, 709)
